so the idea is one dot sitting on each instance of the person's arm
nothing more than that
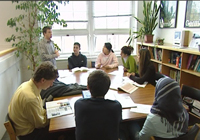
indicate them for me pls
(36, 114)
(145, 77)
(132, 64)
(85, 61)
(70, 63)
(147, 131)
(115, 62)
(45, 56)
(98, 62)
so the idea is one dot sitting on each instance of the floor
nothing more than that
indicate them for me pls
(5, 136)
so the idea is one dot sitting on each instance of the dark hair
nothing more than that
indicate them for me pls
(44, 30)
(76, 43)
(98, 83)
(109, 46)
(45, 70)
(144, 61)
(127, 50)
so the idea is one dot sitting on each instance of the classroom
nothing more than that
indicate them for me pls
(92, 23)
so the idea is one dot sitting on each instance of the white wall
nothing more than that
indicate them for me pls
(10, 79)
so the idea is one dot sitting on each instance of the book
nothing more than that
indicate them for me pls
(128, 87)
(80, 69)
(58, 108)
(189, 61)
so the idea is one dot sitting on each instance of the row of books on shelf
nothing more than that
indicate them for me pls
(175, 58)
(157, 54)
(193, 62)
(175, 74)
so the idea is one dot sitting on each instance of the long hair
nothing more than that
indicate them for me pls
(144, 61)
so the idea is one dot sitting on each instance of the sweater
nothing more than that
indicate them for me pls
(130, 64)
(97, 119)
(149, 76)
(107, 60)
(77, 61)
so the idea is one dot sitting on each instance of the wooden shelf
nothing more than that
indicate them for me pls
(191, 72)
(171, 66)
(157, 61)
(169, 53)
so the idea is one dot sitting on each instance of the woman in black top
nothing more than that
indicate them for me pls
(147, 70)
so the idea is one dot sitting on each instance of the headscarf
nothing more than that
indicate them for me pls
(168, 105)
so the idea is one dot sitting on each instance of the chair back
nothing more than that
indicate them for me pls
(10, 129)
(191, 92)
(191, 135)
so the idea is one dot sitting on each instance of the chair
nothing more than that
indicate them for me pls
(194, 93)
(191, 92)
(191, 135)
(10, 129)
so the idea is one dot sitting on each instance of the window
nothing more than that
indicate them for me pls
(92, 23)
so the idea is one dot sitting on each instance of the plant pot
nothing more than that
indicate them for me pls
(148, 38)
(160, 41)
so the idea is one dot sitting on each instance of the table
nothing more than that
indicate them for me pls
(141, 96)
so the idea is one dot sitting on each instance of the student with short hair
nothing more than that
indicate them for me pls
(26, 106)
(168, 118)
(107, 58)
(128, 60)
(77, 59)
(97, 118)
(147, 70)
(46, 47)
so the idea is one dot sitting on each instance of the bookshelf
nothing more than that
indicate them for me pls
(175, 62)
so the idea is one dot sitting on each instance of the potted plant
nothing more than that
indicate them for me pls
(150, 12)
(28, 27)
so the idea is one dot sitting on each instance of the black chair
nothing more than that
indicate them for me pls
(191, 135)
(194, 93)
(191, 92)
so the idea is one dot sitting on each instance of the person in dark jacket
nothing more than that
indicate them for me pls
(77, 59)
(147, 70)
(97, 118)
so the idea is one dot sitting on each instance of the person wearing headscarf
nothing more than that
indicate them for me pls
(107, 58)
(168, 118)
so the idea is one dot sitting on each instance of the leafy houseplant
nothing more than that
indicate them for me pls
(27, 27)
(150, 12)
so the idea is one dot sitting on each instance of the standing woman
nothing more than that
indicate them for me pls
(107, 58)
(147, 70)
(128, 60)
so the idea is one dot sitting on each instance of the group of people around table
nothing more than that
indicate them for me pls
(98, 118)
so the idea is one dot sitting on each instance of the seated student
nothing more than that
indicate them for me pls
(128, 60)
(97, 118)
(77, 59)
(26, 107)
(107, 58)
(147, 70)
(168, 118)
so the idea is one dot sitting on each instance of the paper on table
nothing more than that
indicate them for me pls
(114, 73)
(141, 108)
(135, 83)
(64, 73)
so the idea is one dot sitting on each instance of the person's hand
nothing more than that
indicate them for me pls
(98, 66)
(125, 70)
(129, 74)
(107, 67)
(57, 53)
